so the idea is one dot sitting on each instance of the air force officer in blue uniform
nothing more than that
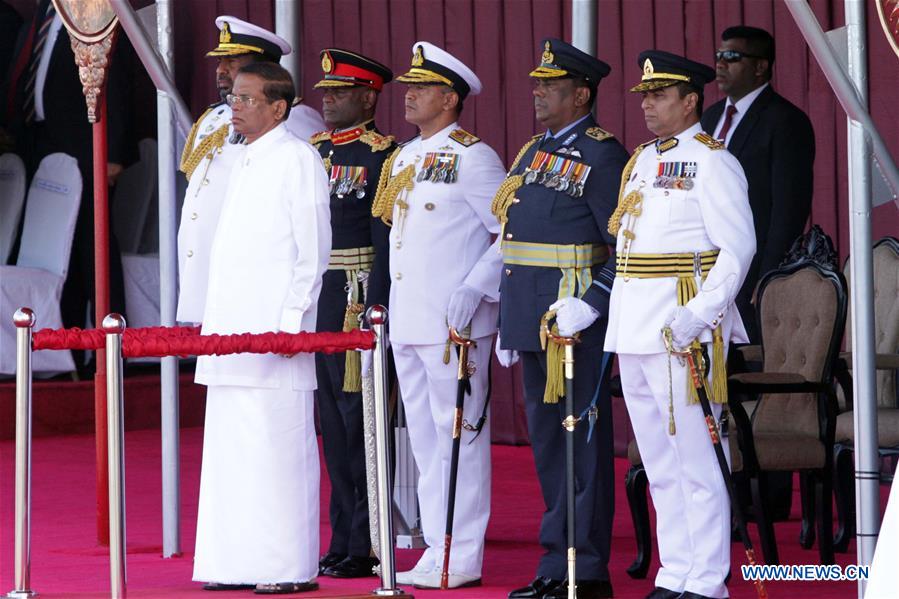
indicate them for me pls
(554, 207)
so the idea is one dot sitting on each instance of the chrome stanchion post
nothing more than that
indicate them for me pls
(114, 327)
(377, 320)
(24, 321)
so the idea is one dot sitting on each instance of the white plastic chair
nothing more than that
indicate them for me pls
(37, 278)
(12, 198)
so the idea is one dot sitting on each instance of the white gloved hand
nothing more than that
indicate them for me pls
(506, 357)
(685, 326)
(462, 304)
(366, 359)
(573, 315)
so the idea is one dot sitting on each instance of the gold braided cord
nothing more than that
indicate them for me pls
(625, 203)
(189, 144)
(209, 144)
(506, 192)
(504, 196)
(390, 187)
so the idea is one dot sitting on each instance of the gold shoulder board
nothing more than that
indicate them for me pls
(319, 137)
(598, 133)
(708, 140)
(464, 137)
(377, 141)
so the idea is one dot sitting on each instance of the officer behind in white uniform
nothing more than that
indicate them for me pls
(208, 157)
(685, 240)
(437, 196)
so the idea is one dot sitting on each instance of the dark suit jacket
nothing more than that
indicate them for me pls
(65, 128)
(775, 144)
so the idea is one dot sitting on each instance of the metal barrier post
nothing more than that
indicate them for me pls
(377, 319)
(24, 321)
(114, 327)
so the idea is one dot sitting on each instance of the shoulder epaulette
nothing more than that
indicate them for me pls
(598, 133)
(210, 107)
(464, 137)
(707, 140)
(320, 137)
(377, 141)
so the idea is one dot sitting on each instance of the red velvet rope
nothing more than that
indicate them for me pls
(185, 341)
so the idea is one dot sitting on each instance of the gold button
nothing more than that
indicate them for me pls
(720, 314)
(666, 193)
(399, 244)
(508, 272)
(715, 323)
(515, 200)
(190, 253)
(205, 181)
(193, 216)
(429, 206)
(508, 236)
(399, 276)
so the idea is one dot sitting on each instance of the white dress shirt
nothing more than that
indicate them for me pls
(43, 66)
(742, 105)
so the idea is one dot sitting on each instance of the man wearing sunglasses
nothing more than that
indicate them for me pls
(775, 144)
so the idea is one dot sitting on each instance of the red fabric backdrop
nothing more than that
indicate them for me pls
(499, 39)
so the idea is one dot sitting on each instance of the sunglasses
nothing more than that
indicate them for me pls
(733, 56)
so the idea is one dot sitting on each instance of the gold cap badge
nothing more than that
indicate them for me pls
(648, 70)
(418, 58)
(327, 64)
(547, 56)
(225, 34)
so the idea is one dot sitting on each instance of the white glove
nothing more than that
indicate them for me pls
(506, 357)
(366, 359)
(462, 304)
(573, 315)
(685, 326)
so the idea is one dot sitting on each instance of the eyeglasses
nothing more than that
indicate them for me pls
(242, 100)
(733, 56)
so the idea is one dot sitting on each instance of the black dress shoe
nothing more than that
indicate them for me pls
(330, 559)
(352, 567)
(663, 593)
(692, 595)
(220, 586)
(586, 589)
(285, 588)
(536, 590)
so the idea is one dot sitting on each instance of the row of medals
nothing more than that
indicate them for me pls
(556, 182)
(343, 187)
(439, 173)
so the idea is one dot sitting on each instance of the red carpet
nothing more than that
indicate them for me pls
(67, 562)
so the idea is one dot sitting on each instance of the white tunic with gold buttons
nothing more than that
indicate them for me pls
(440, 240)
(702, 206)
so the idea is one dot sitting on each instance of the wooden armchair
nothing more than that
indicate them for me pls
(801, 311)
(886, 333)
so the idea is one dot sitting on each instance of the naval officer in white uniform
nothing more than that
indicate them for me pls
(685, 240)
(443, 272)
(209, 156)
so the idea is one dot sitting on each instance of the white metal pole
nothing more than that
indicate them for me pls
(377, 320)
(861, 296)
(583, 25)
(24, 321)
(152, 62)
(287, 25)
(114, 327)
(168, 295)
(843, 87)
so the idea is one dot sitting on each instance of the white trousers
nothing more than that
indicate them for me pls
(688, 492)
(258, 514)
(428, 387)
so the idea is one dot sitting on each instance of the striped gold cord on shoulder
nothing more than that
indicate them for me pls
(209, 144)
(623, 206)
(189, 144)
(390, 187)
(506, 192)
